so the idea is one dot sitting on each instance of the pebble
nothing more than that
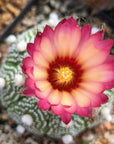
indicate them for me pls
(7, 128)
(89, 137)
(46, 9)
(107, 125)
(53, 3)
(20, 129)
(111, 138)
(62, 9)
(10, 39)
(4, 116)
(106, 135)
(30, 141)
(40, 18)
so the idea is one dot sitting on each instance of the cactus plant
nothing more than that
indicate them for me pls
(24, 110)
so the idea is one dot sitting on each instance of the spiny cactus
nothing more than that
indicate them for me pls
(24, 110)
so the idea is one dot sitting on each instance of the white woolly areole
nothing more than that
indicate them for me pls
(67, 139)
(19, 80)
(20, 129)
(68, 125)
(21, 46)
(27, 119)
(2, 83)
(53, 19)
(109, 118)
(106, 114)
(105, 111)
(94, 30)
(11, 39)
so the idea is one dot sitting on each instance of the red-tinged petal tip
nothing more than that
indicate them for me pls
(30, 83)
(85, 32)
(39, 34)
(104, 98)
(84, 112)
(30, 48)
(98, 36)
(66, 117)
(48, 32)
(43, 105)
(28, 92)
(72, 22)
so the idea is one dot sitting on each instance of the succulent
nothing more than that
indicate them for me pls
(24, 110)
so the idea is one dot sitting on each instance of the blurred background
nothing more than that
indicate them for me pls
(17, 16)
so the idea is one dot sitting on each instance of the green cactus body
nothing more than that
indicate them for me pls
(23, 109)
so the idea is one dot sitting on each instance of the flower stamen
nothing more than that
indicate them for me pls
(65, 74)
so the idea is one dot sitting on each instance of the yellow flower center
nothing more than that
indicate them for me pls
(65, 74)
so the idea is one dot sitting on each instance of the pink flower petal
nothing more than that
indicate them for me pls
(90, 42)
(101, 73)
(29, 92)
(28, 62)
(72, 109)
(95, 100)
(85, 33)
(98, 36)
(43, 105)
(110, 60)
(47, 50)
(30, 48)
(66, 117)
(54, 97)
(66, 99)
(66, 39)
(72, 22)
(84, 112)
(97, 59)
(57, 109)
(109, 85)
(104, 45)
(40, 73)
(37, 41)
(95, 54)
(30, 83)
(42, 94)
(104, 98)
(81, 99)
(48, 32)
(94, 87)
(40, 60)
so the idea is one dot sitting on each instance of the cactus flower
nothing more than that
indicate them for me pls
(68, 69)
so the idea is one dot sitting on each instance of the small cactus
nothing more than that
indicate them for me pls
(24, 110)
